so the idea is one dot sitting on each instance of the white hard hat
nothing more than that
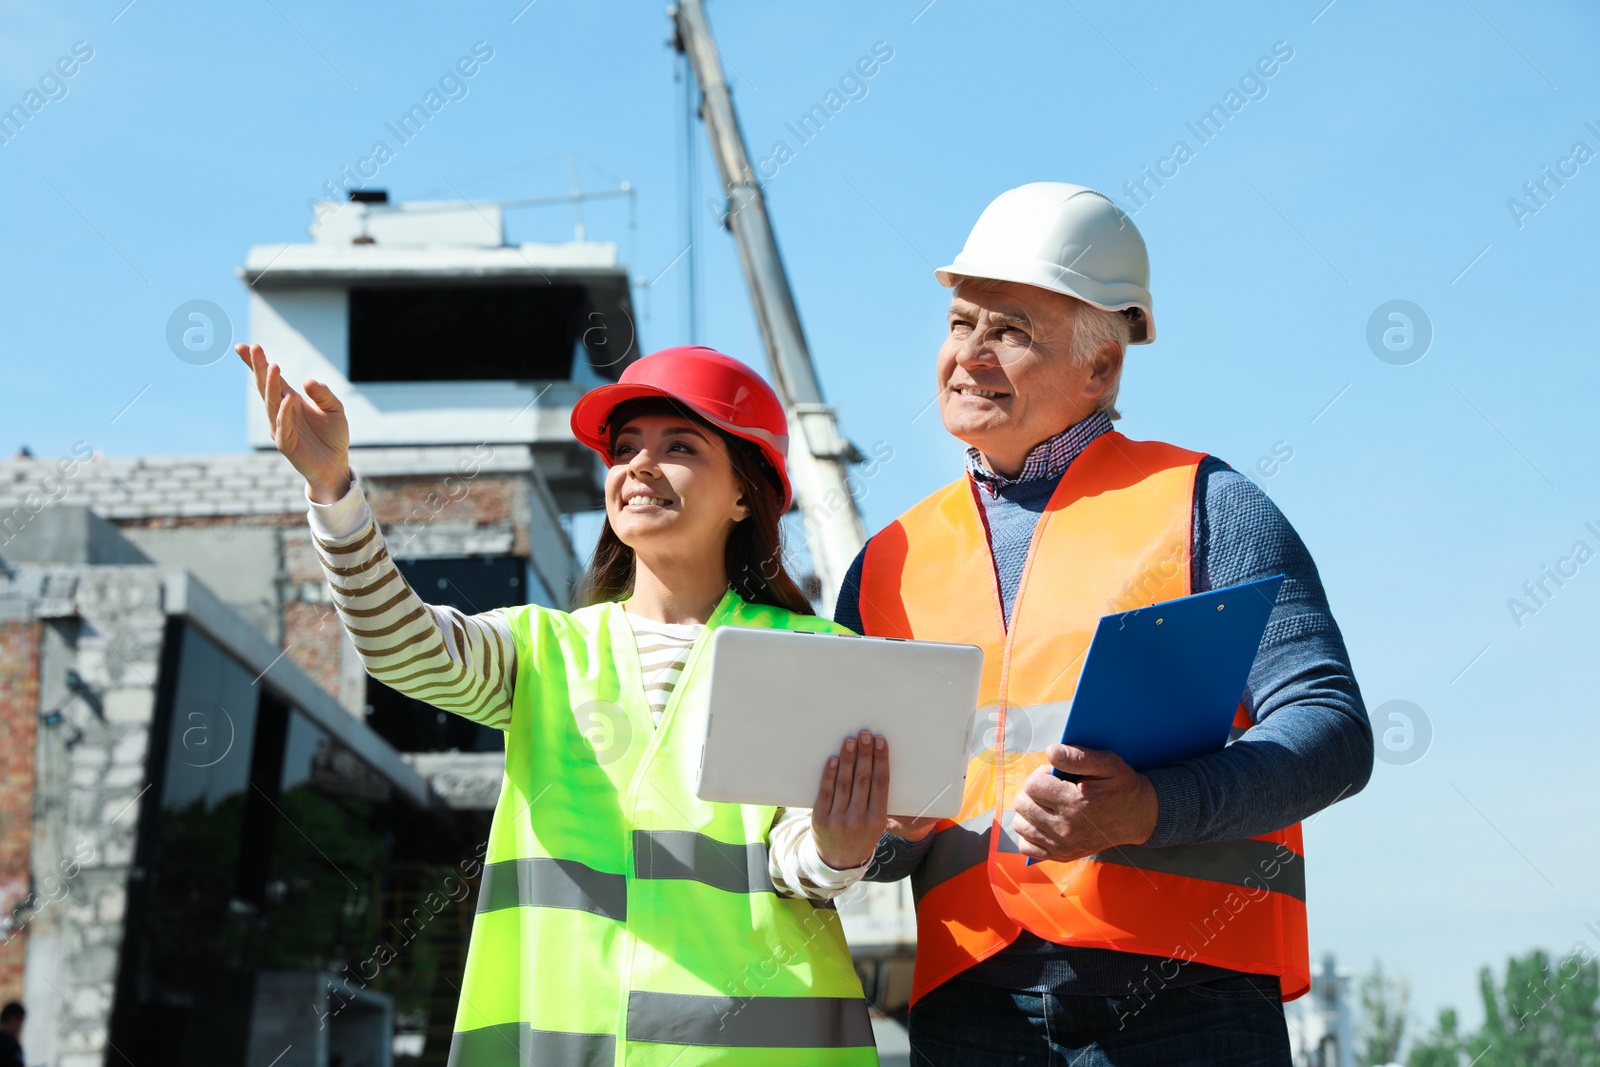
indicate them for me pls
(1065, 238)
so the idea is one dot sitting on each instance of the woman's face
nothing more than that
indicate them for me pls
(671, 489)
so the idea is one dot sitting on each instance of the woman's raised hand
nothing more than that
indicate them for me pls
(310, 430)
(852, 802)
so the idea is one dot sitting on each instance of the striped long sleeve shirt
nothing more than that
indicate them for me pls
(467, 664)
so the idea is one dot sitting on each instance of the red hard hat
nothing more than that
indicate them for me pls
(720, 389)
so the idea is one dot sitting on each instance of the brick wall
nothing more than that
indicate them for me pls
(401, 504)
(315, 642)
(177, 522)
(19, 722)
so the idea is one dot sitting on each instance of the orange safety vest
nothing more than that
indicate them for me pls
(1115, 536)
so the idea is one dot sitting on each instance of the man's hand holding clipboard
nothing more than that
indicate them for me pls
(1160, 684)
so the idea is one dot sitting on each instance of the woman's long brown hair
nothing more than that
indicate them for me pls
(754, 553)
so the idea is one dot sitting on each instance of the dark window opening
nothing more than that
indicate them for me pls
(470, 333)
(275, 866)
(471, 585)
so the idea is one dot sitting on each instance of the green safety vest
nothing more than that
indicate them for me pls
(621, 919)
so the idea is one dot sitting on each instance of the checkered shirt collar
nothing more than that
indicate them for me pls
(1047, 459)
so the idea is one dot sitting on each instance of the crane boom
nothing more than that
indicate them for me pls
(819, 456)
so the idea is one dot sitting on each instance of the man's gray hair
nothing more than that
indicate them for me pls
(1091, 328)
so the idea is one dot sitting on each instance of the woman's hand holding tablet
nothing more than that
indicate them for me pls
(852, 805)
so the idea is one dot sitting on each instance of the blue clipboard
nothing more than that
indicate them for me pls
(1161, 684)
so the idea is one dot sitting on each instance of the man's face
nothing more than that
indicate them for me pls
(1005, 375)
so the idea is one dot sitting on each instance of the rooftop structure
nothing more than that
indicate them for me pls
(434, 331)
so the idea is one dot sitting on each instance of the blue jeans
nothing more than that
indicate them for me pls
(1236, 1021)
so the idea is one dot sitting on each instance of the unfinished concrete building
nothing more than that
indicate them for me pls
(220, 841)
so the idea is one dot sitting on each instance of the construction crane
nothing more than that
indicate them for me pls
(879, 919)
(819, 455)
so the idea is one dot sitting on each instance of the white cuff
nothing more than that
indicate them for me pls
(342, 518)
(814, 867)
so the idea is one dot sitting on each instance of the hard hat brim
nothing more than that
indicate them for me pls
(1115, 296)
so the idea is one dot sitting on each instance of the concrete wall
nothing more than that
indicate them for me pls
(239, 560)
(105, 624)
(71, 534)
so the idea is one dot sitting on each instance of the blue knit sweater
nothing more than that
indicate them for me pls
(1311, 744)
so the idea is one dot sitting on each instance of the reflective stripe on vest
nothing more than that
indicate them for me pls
(1115, 536)
(748, 1022)
(540, 882)
(517, 1045)
(965, 845)
(1237, 863)
(621, 919)
(696, 857)
(955, 850)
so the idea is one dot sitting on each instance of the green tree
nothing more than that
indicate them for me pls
(1385, 1003)
(1544, 1015)
(1442, 1048)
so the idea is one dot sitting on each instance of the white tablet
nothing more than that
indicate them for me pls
(783, 701)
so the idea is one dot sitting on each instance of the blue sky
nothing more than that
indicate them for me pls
(1375, 164)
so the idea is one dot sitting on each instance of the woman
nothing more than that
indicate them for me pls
(621, 919)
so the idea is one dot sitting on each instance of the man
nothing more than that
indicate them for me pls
(11, 1017)
(1168, 924)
